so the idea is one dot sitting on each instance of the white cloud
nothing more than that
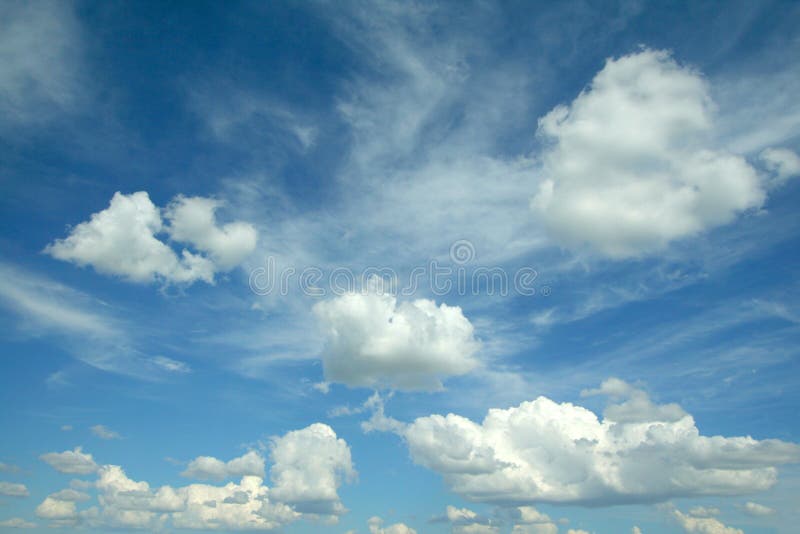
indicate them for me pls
(542, 451)
(782, 163)
(52, 508)
(631, 167)
(757, 510)
(309, 465)
(636, 530)
(210, 468)
(309, 482)
(17, 522)
(703, 525)
(74, 462)
(10, 489)
(373, 341)
(103, 432)
(375, 525)
(702, 511)
(193, 220)
(577, 531)
(541, 528)
(122, 240)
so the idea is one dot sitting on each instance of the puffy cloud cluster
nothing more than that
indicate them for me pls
(210, 468)
(702, 525)
(630, 165)
(123, 240)
(75, 462)
(529, 520)
(309, 481)
(375, 525)
(373, 341)
(301, 489)
(465, 521)
(543, 451)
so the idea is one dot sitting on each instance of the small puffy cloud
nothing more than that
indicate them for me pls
(782, 163)
(11, 489)
(74, 462)
(636, 530)
(529, 520)
(52, 508)
(309, 482)
(702, 525)
(703, 511)
(375, 525)
(757, 510)
(536, 528)
(636, 405)
(577, 531)
(372, 340)
(210, 468)
(629, 165)
(193, 220)
(122, 240)
(103, 432)
(543, 451)
(17, 522)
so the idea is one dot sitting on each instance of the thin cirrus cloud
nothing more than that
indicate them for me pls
(631, 166)
(374, 341)
(542, 451)
(84, 325)
(122, 240)
(308, 467)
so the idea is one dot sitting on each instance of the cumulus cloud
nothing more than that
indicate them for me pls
(630, 166)
(757, 510)
(466, 521)
(372, 340)
(103, 432)
(309, 465)
(74, 462)
(543, 451)
(310, 482)
(193, 220)
(52, 508)
(10, 489)
(210, 468)
(636, 530)
(702, 525)
(375, 525)
(122, 240)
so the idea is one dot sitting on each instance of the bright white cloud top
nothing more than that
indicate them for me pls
(122, 240)
(74, 462)
(374, 341)
(631, 164)
(308, 467)
(545, 452)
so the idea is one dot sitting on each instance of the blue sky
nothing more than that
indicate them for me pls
(392, 268)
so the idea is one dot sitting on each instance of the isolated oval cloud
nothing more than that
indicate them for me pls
(123, 240)
(630, 166)
(374, 341)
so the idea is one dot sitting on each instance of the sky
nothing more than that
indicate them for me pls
(400, 267)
